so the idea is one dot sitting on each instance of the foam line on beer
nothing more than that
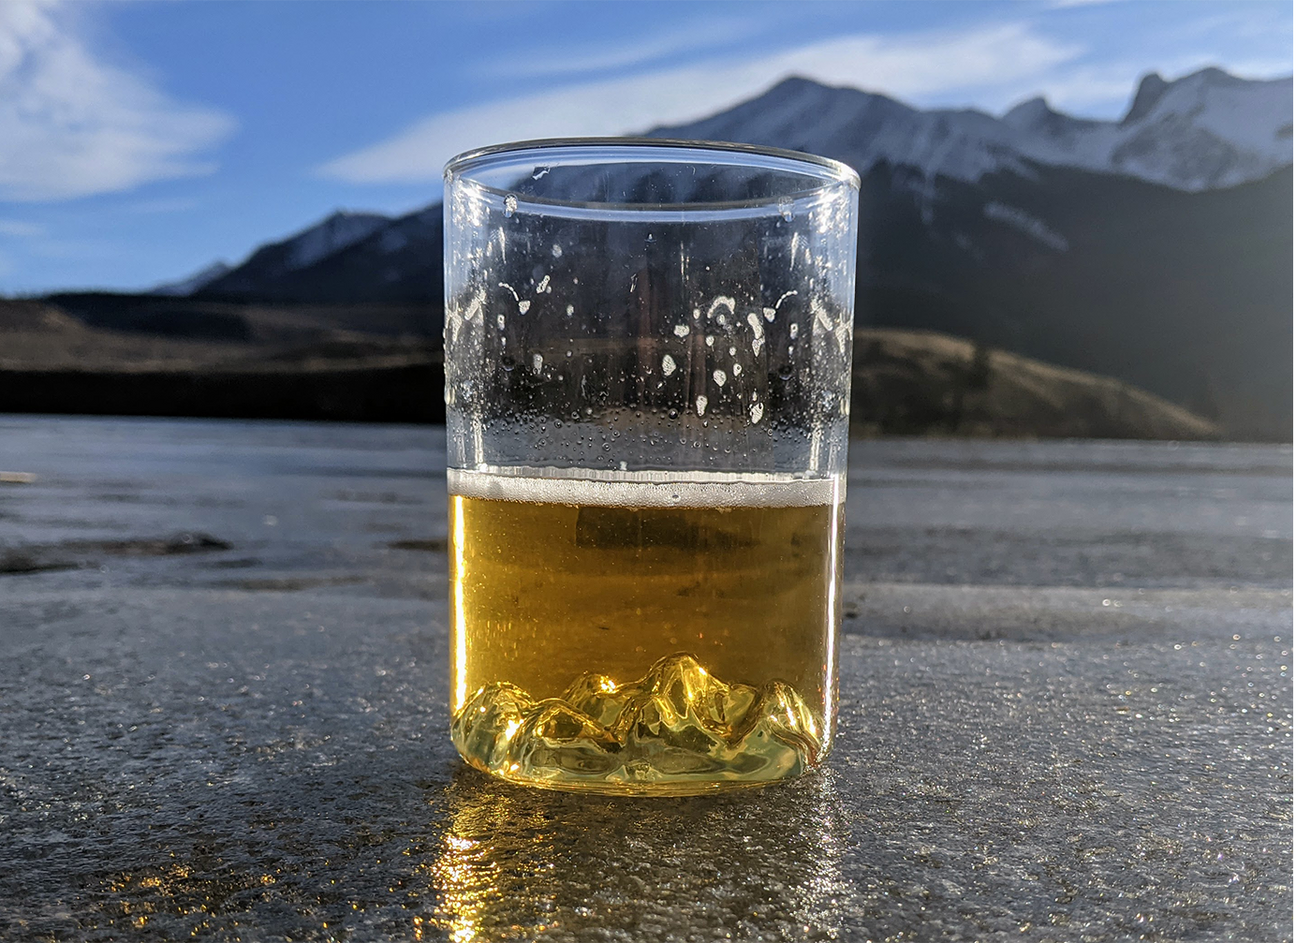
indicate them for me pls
(646, 489)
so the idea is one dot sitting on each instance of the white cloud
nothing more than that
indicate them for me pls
(1003, 59)
(73, 125)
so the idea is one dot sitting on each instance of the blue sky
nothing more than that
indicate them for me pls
(140, 141)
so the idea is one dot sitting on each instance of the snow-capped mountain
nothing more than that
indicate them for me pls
(195, 282)
(1205, 130)
(299, 251)
(1155, 249)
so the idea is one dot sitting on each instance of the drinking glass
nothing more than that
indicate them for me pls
(647, 349)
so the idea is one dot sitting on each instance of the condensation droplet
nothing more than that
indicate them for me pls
(785, 209)
(571, 309)
(668, 365)
(785, 371)
(499, 321)
(701, 405)
(537, 361)
(769, 313)
(721, 301)
(793, 330)
(720, 377)
(543, 288)
(681, 330)
(732, 351)
(697, 314)
(524, 307)
(557, 251)
(737, 369)
(710, 341)
(539, 172)
(650, 238)
(757, 410)
(510, 205)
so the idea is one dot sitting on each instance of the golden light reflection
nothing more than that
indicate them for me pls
(174, 889)
(460, 627)
(524, 864)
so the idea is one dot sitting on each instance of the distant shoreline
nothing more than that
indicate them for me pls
(918, 384)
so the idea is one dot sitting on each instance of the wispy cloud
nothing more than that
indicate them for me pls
(72, 124)
(999, 60)
(164, 205)
(632, 52)
(20, 229)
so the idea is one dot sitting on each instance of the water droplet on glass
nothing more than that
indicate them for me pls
(737, 369)
(710, 341)
(668, 365)
(701, 405)
(793, 330)
(757, 410)
(571, 309)
(769, 313)
(499, 321)
(785, 208)
(681, 330)
(508, 363)
(673, 414)
(649, 238)
(720, 377)
(539, 172)
(537, 362)
(557, 251)
(785, 371)
(543, 288)
(732, 351)
(510, 205)
(524, 307)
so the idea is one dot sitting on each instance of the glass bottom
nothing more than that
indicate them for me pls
(677, 731)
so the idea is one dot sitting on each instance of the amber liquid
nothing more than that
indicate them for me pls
(643, 637)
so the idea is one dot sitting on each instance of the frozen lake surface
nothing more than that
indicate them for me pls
(1065, 707)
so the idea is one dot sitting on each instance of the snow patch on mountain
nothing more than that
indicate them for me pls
(1203, 131)
(337, 232)
(1024, 222)
(196, 281)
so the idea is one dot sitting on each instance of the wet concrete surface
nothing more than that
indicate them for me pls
(1065, 707)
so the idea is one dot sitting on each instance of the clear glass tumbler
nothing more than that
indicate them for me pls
(648, 349)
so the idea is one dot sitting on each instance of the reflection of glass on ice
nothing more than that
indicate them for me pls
(647, 381)
(515, 864)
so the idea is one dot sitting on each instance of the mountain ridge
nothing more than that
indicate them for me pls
(1184, 292)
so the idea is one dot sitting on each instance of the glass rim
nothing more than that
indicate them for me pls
(821, 173)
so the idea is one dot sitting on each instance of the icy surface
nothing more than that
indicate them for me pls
(1065, 708)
